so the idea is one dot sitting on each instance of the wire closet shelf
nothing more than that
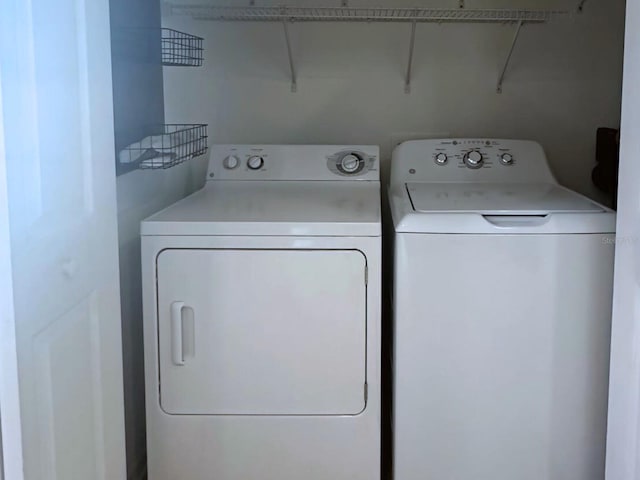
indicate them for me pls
(287, 15)
(363, 14)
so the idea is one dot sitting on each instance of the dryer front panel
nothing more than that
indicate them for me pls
(262, 332)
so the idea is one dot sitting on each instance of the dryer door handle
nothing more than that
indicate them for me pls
(177, 354)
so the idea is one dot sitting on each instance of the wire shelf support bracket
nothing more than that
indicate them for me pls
(292, 67)
(412, 41)
(509, 55)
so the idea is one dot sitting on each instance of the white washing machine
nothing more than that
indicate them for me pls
(502, 311)
(262, 319)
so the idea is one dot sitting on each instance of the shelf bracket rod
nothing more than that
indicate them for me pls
(292, 67)
(407, 79)
(506, 63)
(581, 5)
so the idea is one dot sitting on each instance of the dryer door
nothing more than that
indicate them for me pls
(262, 332)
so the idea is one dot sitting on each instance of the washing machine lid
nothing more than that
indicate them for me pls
(497, 199)
(492, 208)
(273, 208)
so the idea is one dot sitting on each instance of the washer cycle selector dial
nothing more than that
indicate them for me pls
(473, 159)
(506, 159)
(441, 159)
(255, 162)
(231, 162)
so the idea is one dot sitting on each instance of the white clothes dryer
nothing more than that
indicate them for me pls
(262, 319)
(502, 308)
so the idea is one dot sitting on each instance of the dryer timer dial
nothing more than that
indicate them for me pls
(350, 163)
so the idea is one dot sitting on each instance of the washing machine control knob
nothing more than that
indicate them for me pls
(473, 159)
(256, 162)
(231, 162)
(441, 159)
(506, 159)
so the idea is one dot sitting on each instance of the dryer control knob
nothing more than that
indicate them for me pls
(506, 159)
(473, 159)
(441, 158)
(231, 162)
(350, 163)
(255, 162)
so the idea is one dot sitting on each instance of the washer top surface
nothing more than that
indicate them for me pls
(302, 191)
(497, 199)
(486, 186)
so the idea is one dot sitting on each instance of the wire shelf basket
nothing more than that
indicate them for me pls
(172, 145)
(181, 49)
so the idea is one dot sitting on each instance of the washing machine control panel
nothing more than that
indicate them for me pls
(470, 159)
(293, 162)
(473, 154)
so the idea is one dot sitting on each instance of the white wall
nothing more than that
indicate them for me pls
(563, 82)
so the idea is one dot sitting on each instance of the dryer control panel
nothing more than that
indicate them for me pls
(470, 160)
(294, 162)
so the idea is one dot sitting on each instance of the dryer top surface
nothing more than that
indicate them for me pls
(273, 208)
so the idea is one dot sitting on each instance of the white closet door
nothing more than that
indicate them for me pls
(55, 76)
(262, 332)
(623, 437)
